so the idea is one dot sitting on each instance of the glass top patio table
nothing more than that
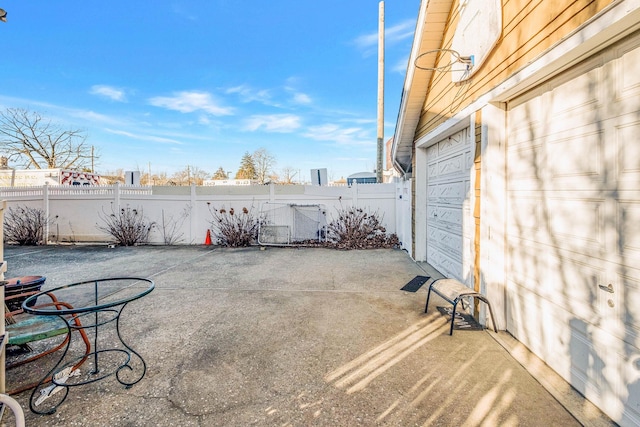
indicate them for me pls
(92, 306)
(92, 295)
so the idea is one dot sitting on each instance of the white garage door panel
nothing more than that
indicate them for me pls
(533, 316)
(450, 162)
(452, 193)
(446, 265)
(528, 226)
(524, 166)
(572, 351)
(630, 285)
(450, 218)
(447, 218)
(627, 129)
(456, 143)
(631, 410)
(564, 228)
(628, 71)
(585, 373)
(573, 225)
(579, 99)
(538, 272)
(562, 146)
(629, 223)
(579, 295)
(447, 242)
(451, 166)
(577, 224)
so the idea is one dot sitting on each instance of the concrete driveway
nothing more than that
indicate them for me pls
(289, 337)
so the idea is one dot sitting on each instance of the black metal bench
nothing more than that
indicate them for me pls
(453, 292)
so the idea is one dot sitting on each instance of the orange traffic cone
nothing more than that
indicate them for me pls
(207, 240)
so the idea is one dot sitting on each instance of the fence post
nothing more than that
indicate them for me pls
(272, 192)
(193, 218)
(116, 194)
(354, 193)
(45, 200)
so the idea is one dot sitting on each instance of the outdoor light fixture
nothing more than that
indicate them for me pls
(3, 15)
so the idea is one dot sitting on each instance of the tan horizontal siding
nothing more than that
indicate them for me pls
(530, 27)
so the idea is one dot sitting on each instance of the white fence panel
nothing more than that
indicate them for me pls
(182, 215)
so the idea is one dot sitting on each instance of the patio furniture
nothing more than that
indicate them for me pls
(7, 401)
(21, 285)
(15, 407)
(454, 292)
(99, 303)
(23, 329)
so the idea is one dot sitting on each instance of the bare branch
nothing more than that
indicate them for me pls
(263, 161)
(34, 142)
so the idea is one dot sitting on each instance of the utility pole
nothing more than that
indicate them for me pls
(380, 92)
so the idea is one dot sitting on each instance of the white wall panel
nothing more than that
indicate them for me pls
(573, 226)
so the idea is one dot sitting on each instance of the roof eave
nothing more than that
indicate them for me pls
(417, 80)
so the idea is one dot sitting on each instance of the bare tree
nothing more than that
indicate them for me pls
(263, 162)
(35, 142)
(189, 175)
(111, 177)
(288, 175)
(159, 178)
(199, 175)
(148, 178)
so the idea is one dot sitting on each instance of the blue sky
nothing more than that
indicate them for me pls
(201, 82)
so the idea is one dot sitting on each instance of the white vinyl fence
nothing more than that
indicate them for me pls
(183, 214)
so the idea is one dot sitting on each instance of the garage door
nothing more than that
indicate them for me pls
(448, 188)
(573, 191)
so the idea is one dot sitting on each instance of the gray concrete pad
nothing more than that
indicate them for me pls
(287, 337)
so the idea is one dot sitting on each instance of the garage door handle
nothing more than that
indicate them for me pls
(608, 288)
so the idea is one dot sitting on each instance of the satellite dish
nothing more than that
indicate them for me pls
(3, 15)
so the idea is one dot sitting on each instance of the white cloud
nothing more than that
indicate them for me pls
(204, 120)
(143, 137)
(401, 66)
(270, 97)
(399, 32)
(301, 98)
(341, 135)
(188, 102)
(366, 41)
(248, 94)
(113, 93)
(392, 35)
(281, 123)
(92, 116)
(360, 121)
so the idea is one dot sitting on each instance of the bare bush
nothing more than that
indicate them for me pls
(356, 228)
(127, 226)
(235, 229)
(170, 227)
(25, 225)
